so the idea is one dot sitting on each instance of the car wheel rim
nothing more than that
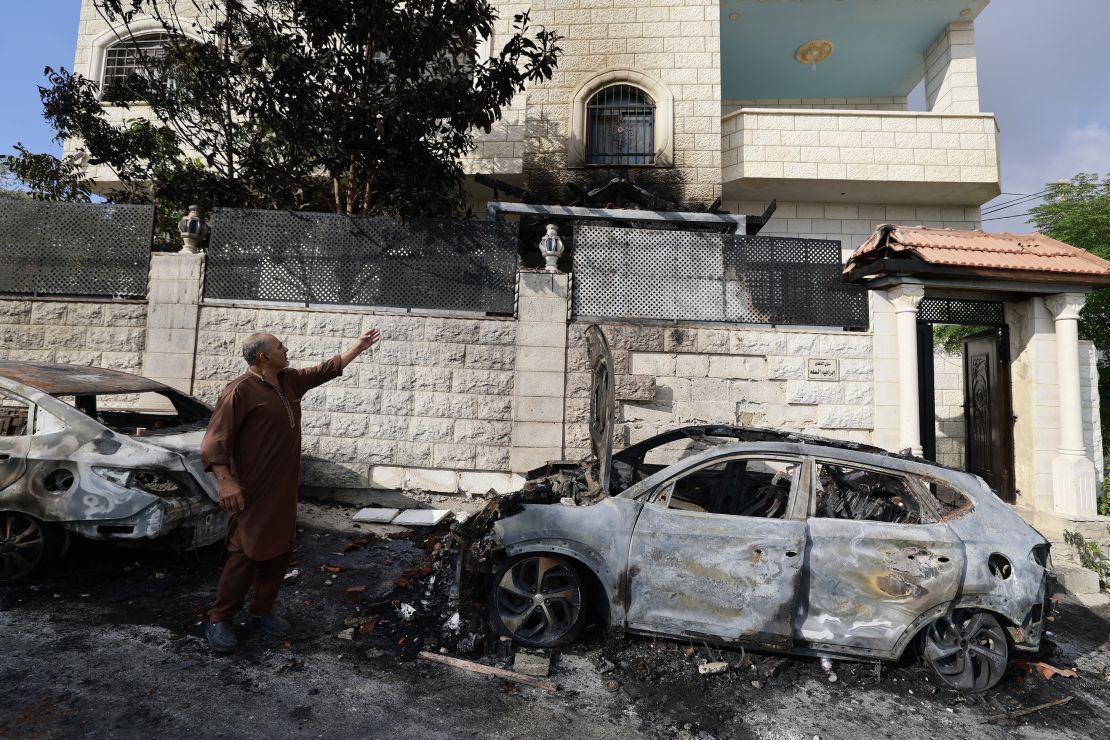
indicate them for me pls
(22, 546)
(539, 599)
(967, 650)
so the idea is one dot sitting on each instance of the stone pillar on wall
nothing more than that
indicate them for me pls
(951, 75)
(173, 300)
(905, 299)
(540, 385)
(1074, 478)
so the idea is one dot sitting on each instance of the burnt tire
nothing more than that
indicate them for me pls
(26, 546)
(538, 600)
(967, 649)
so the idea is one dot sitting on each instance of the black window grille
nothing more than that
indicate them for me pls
(620, 127)
(126, 62)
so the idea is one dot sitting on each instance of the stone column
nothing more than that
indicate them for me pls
(905, 298)
(173, 300)
(539, 388)
(1074, 479)
(951, 74)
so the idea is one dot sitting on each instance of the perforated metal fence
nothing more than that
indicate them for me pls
(323, 258)
(77, 249)
(960, 311)
(700, 276)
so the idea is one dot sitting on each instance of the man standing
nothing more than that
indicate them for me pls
(253, 445)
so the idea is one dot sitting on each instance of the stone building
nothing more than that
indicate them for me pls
(804, 102)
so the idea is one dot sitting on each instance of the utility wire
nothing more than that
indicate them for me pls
(1002, 218)
(1009, 203)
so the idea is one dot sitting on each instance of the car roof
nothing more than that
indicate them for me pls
(67, 380)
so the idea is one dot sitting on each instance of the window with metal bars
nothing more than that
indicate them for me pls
(620, 127)
(126, 61)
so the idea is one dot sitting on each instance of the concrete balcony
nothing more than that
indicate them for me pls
(860, 156)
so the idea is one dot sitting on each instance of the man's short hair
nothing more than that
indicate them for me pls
(253, 346)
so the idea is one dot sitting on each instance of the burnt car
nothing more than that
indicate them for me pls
(764, 538)
(102, 454)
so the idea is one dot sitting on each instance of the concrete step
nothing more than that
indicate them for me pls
(1076, 579)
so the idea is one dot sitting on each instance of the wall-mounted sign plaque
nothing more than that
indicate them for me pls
(819, 368)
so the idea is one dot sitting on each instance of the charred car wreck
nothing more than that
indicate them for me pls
(102, 454)
(771, 539)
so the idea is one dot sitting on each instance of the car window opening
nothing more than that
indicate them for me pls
(744, 487)
(948, 501)
(157, 412)
(865, 495)
(13, 417)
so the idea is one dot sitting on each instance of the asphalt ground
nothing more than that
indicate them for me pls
(109, 644)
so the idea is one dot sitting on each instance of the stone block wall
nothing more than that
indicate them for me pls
(850, 223)
(676, 45)
(110, 334)
(859, 146)
(948, 384)
(434, 395)
(951, 71)
(667, 377)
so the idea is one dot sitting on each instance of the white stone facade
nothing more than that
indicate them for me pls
(109, 334)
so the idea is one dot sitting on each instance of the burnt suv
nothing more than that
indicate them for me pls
(102, 454)
(765, 538)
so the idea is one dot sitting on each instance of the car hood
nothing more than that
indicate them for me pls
(187, 445)
(602, 402)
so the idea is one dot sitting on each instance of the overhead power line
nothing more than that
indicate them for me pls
(1015, 201)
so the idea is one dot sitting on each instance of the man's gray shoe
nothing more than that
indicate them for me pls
(271, 624)
(221, 637)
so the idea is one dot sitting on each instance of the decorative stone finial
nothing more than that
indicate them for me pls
(551, 247)
(193, 230)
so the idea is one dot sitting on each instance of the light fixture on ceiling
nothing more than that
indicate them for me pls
(965, 12)
(812, 52)
(734, 17)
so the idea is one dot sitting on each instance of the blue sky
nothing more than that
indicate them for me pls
(1043, 71)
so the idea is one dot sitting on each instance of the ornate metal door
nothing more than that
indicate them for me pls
(987, 415)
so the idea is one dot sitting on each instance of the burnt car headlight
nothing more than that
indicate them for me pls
(147, 481)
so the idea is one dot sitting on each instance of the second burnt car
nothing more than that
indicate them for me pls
(770, 539)
(99, 453)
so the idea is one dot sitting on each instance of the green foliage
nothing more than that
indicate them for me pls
(1078, 212)
(353, 106)
(1090, 554)
(949, 338)
(1104, 497)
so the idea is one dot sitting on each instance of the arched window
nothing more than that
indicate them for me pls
(620, 127)
(127, 60)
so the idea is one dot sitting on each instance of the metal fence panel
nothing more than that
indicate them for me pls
(78, 249)
(324, 258)
(702, 276)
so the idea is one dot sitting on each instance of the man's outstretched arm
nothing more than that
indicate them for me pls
(365, 341)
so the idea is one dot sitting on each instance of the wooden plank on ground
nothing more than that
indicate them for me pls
(467, 665)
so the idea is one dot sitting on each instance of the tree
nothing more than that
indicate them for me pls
(1077, 212)
(352, 106)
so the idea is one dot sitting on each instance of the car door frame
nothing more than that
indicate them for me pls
(14, 450)
(733, 579)
(886, 575)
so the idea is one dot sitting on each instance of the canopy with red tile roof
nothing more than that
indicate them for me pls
(1032, 257)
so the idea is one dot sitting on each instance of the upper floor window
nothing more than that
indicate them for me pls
(125, 63)
(620, 127)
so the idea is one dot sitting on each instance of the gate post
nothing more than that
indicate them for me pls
(906, 298)
(1074, 478)
(539, 388)
(173, 304)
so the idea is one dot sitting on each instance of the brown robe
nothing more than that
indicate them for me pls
(255, 432)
